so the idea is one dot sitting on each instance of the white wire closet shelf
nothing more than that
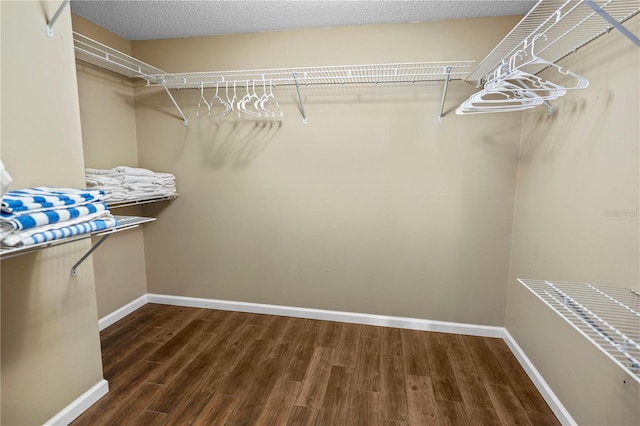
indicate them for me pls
(103, 56)
(98, 54)
(560, 28)
(609, 317)
(140, 201)
(125, 223)
(413, 72)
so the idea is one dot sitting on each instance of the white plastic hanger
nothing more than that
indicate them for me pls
(242, 103)
(230, 101)
(277, 111)
(580, 81)
(227, 106)
(202, 99)
(259, 104)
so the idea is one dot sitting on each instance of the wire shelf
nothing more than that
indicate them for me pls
(140, 201)
(609, 317)
(124, 223)
(343, 74)
(100, 55)
(560, 28)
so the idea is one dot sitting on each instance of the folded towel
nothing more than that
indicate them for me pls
(142, 187)
(46, 217)
(101, 180)
(165, 175)
(135, 195)
(130, 183)
(91, 171)
(126, 170)
(134, 171)
(116, 194)
(42, 198)
(70, 231)
(16, 237)
(155, 180)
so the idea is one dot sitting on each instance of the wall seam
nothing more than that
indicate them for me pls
(513, 219)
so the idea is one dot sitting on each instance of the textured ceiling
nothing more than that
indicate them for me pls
(158, 19)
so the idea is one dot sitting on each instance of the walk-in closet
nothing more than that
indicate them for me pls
(214, 215)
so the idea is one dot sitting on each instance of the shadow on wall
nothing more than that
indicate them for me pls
(110, 79)
(548, 133)
(235, 143)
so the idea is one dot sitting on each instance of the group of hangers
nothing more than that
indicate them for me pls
(265, 105)
(511, 88)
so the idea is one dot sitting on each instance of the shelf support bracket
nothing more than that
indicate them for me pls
(447, 70)
(613, 22)
(103, 237)
(55, 17)
(186, 122)
(304, 116)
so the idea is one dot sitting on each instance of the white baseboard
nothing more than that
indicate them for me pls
(326, 315)
(552, 400)
(122, 312)
(80, 405)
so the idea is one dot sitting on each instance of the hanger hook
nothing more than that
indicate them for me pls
(533, 43)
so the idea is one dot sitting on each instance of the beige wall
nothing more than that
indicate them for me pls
(50, 344)
(576, 219)
(107, 112)
(373, 206)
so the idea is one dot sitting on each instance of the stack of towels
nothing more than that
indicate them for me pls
(130, 183)
(36, 215)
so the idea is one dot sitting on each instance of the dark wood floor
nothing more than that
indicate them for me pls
(178, 366)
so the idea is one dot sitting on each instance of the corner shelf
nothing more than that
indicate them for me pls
(560, 28)
(609, 317)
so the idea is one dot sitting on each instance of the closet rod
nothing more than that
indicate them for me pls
(55, 17)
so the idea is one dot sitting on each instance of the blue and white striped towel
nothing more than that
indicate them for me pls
(15, 237)
(44, 197)
(47, 217)
(70, 231)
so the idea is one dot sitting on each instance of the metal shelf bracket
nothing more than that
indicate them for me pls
(103, 237)
(186, 122)
(628, 34)
(447, 71)
(304, 116)
(55, 17)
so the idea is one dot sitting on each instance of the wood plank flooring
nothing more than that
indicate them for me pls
(169, 365)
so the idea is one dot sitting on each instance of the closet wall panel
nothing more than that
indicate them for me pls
(107, 111)
(50, 343)
(576, 219)
(373, 206)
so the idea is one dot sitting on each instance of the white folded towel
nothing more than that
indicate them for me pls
(133, 171)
